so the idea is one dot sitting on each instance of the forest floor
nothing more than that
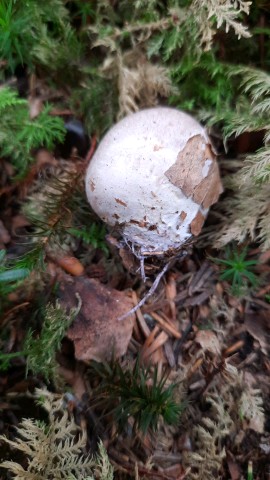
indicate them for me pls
(212, 344)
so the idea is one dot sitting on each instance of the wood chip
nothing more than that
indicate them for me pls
(199, 279)
(166, 325)
(150, 338)
(168, 349)
(71, 265)
(157, 343)
(198, 299)
(140, 318)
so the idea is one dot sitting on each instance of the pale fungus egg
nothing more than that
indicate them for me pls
(154, 176)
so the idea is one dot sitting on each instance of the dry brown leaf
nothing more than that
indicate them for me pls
(208, 341)
(258, 326)
(97, 332)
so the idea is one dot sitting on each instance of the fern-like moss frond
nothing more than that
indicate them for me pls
(40, 351)
(224, 13)
(255, 82)
(140, 86)
(43, 130)
(176, 34)
(209, 453)
(55, 451)
(19, 134)
(256, 167)
(251, 408)
(243, 212)
(246, 212)
(9, 98)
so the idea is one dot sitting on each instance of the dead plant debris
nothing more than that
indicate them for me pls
(70, 70)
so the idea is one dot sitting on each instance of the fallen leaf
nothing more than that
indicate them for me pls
(97, 332)
(208, 341)
(258, 326)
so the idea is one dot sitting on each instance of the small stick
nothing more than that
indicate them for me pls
(150, 292)
(142, 269)
(140, 318)
(166, 326)
(150, 339)
(157, 343)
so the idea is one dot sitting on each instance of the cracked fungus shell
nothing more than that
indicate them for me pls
(154, 176)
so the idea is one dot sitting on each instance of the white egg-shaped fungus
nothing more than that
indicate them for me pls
(154, 175)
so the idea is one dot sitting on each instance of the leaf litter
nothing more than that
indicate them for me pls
(211, 345)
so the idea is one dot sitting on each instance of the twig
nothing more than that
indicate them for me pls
(150, 292)
(166, 325)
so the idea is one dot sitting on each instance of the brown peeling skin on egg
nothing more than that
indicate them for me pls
(208, 191)
(183, 215)
(196, 224)
(120, 202)
(141, 224)
(187, 172)
(92, 186)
